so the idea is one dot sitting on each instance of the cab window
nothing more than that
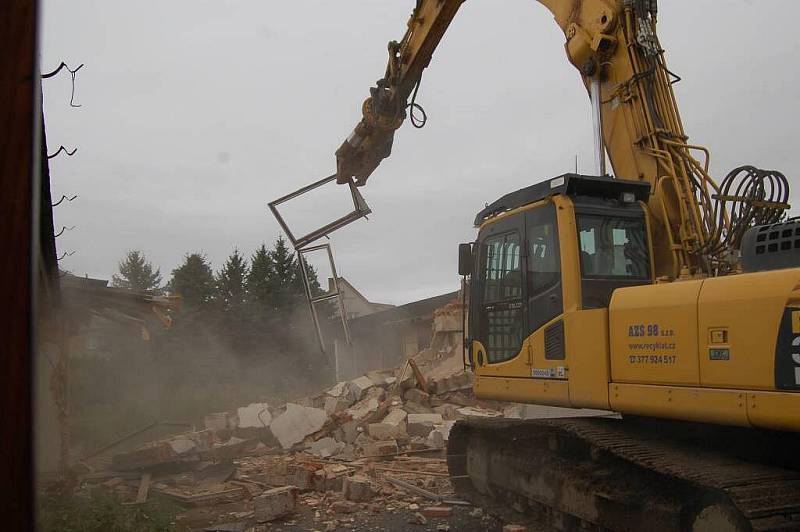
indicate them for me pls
(613, 247)
(544, 267)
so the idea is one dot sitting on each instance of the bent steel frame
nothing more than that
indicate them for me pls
(302, 246)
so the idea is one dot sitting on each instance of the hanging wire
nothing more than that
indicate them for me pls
(64, 228)
(72, 73)
(63, 197)
(66, 254)
(63, 149)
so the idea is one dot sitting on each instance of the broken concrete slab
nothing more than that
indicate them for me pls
(297, 422)
(422, 424)
(275, 503)
(254, 415)
(335, 404)
(357, 488)
(182, 445)
(347, 432)
(367, 409)
(326, 447)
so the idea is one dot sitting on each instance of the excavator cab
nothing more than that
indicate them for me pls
(563, 245)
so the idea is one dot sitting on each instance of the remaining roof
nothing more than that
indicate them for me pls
(410, 311)
(352, 289)
(569, 185)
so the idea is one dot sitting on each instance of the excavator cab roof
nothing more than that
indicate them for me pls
(569, 185)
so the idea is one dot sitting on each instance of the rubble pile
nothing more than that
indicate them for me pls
(372, 444)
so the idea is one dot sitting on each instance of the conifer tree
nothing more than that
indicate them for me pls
(193, 280)
(136, 273)
(231, 280)
(258, 280)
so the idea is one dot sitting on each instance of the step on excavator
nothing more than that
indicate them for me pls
(659, 294)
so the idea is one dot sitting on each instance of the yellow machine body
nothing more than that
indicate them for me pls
(697, 350)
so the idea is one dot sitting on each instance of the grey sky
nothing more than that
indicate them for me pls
(196, 113)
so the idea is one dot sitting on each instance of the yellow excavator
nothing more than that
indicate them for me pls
(659, 294)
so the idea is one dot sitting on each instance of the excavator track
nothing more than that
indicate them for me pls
(613, 474)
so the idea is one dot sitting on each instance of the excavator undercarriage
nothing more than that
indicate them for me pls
(637, 474)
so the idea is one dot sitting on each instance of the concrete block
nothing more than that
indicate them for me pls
(275, 503)
(358, 387)
(422, 424)
(254, 415)
(357, 488)
(296, 423)
(386, 431)
(392, 427)
(380, 448)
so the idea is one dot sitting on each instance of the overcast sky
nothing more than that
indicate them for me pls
(196, 113)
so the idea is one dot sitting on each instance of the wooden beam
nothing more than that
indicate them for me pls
(19, 112)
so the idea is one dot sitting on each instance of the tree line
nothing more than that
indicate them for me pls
(271, 280)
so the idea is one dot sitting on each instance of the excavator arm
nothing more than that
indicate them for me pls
(385, 109)
(697, 223)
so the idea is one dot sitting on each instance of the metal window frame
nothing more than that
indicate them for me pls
(302, 245)
(360, 210)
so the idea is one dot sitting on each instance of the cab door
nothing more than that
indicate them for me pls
(499, 324)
